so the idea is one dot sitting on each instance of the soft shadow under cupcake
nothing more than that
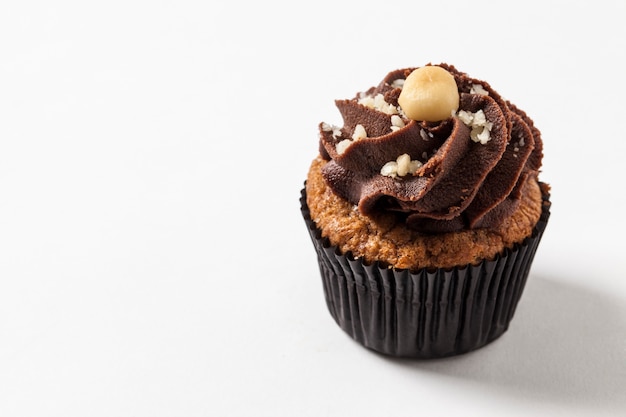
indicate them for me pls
(566, 344)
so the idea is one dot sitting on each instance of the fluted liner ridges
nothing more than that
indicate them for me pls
(424, 313)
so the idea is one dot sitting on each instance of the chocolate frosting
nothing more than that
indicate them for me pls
(461, 184)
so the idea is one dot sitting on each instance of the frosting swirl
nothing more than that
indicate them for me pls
(466, 171)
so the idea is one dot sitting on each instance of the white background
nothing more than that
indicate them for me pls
(153, 260)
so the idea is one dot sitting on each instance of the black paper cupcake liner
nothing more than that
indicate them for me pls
(426, 313)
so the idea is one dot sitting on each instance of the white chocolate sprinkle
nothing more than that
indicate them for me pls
(378, 103)
(390, 169)
(478, 89)
(402, 166)
(414, 165)
(481, 127)
(465, 116)
(479, 118)
(396, 123)
(398, 83)
(326, 127)
(359, 133)
(480, 134)
(342, 146)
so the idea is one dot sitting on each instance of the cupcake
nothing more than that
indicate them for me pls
(425, 210)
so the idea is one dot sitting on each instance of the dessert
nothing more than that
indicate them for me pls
(425, 209)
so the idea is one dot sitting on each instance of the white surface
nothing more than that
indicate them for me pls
(153, 261)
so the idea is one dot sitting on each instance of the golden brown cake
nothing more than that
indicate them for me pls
(384, 238)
